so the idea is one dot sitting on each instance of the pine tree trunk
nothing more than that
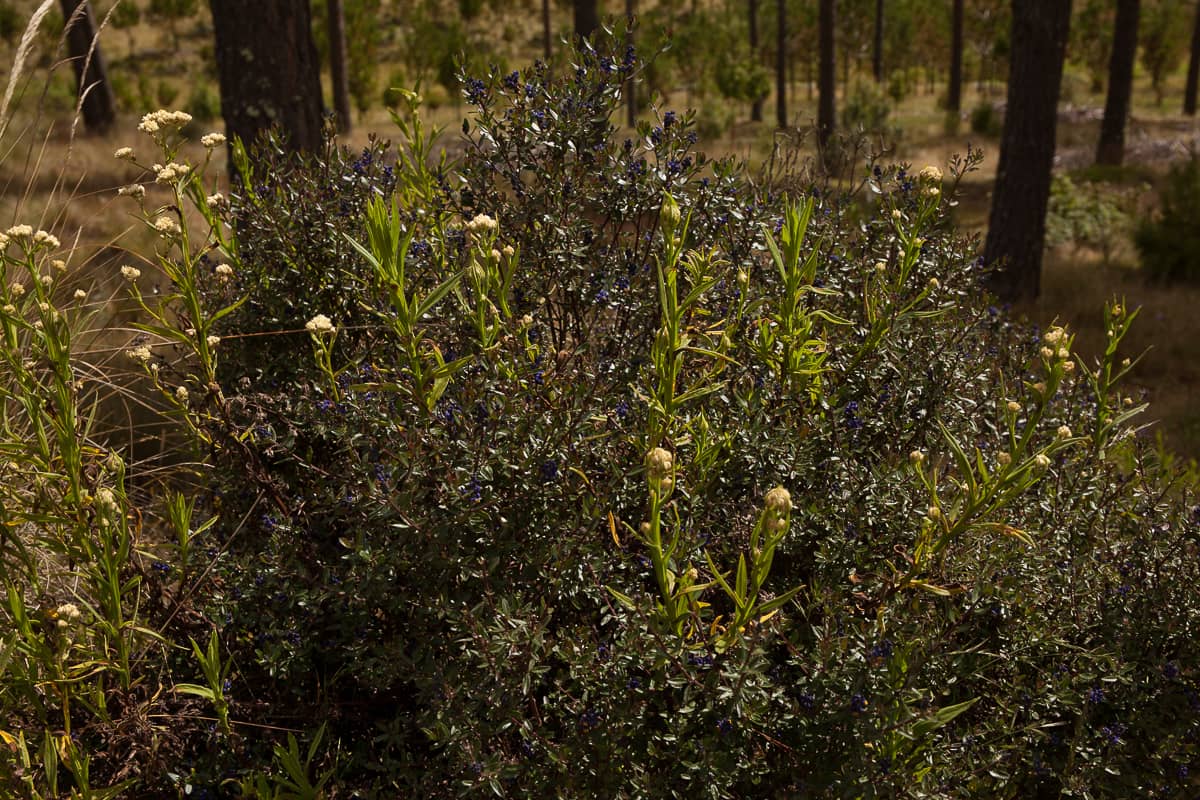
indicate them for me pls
(1193, 73)
(826, 73)
(91, 77)
(587, 18)
(546, 32)
(268, 70)
(954, 90)
(756, 110)
(877, 50)
(1017, 226)
(1111, 148)
(781, 116)
(630, 86)
(338, 70)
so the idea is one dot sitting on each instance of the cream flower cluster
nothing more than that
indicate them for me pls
(26, 233)
(166, 226)
(162, 121)
(320, 324)
(170, 172)
(482, 224)
(212, 140)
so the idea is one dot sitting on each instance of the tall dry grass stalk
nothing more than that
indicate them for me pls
(18, 70)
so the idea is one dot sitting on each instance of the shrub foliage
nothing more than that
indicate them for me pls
(585, 467)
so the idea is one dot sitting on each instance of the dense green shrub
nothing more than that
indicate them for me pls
(1169, 241)
(1088, 214)
(867, 109)
(986, 120)
(584, 467)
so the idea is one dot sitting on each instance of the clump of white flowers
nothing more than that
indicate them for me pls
(124, 153)
(141, 353)
(224, 272)
(171, 172)
(482, 224)
(212, 140)
(163, 121)
(320, 324)
(130, 274)
(166, 226)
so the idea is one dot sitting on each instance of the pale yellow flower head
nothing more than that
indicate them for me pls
(778, 501)
(931, 174)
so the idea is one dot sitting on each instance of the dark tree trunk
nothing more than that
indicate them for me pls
(630, 86)
(877, 49)
(1193, 73)
(781, 117)
(826, 73)
(954, 90)
(756, 110)
(338, 72)
(268, 71)
(91, 77)
(1017, 226)
(546, 33)
(1111, 149)
(587, 18)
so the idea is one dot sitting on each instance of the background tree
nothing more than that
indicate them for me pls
(1017, 225)
(854, 34)
(1092, 40)
(954, 90)
(170, 13)
(125, 17)
(1111, 148)
(1193, 73)
(91, 78)
(877, 45)
(546, 31)
(339, 72)
(826, 79)
(1164, 36)
(363, 28)
(268, 70)
(587, 18)
(987, 30)
(756, 108)
(630, 86)
(781, 61)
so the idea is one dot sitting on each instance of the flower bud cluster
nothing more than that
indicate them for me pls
(660, 470)
(777, 507)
